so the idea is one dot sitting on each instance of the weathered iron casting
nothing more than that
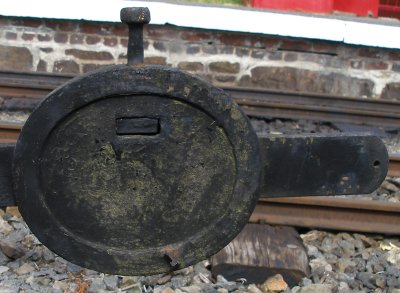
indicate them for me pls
(136, 169)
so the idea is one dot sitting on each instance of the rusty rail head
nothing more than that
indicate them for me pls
(330, 213)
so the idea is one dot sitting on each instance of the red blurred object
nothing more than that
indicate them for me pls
(389, 8)
(319, 6)
(358, 7)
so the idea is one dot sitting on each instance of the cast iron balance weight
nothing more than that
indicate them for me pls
(139, 170)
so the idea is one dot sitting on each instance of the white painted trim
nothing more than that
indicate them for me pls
(371, 33)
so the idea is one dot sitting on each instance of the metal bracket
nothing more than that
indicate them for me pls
(6, 186)
(322, 165)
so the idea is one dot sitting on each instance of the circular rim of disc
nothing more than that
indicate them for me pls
(123, 80)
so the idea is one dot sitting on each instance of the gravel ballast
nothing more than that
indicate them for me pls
(339, 262)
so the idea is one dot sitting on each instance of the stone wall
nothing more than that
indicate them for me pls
(224, 58)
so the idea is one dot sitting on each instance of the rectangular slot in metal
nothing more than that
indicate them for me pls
(138, 126)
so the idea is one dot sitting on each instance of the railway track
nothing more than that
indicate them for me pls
(9, 131)
(30, 88)
(312, 212)
(333, 213)
(316, 212)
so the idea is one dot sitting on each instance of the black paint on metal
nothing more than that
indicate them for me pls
(137, 126)
(322, 165)
(6, 189)
(120, 203)
(135, 18)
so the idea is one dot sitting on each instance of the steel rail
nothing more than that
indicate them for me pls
(9, 131)
(343, 214)
(394, 166)
(311, 212)
(321, 107)
(254, 102)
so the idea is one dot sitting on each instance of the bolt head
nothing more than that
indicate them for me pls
(135, 15)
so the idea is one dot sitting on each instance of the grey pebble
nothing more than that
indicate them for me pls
(3, 259)
(111, 282)
(73, 268)
(366, 278)
(180, 281)
(96, 285)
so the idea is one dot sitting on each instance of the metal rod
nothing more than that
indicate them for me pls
(135, 44)
(135, 18)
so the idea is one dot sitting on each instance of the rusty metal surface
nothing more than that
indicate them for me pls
(394, 166)
(9, 131)
(297, 105)
(330, 213)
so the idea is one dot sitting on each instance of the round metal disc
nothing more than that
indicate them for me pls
(136, 170)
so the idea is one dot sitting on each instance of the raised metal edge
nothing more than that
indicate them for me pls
(127, 80)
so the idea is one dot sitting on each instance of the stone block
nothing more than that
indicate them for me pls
(394, 55)
(61, 37)
(290, 57)
(258, 53)
(226, 50)
(235, 39)
(124, 42)
(66, 66)
(76, 39)
(120, 29)
(155, 60)
(160, 46)
(224, 67)
(391, 91)
(296, 79)
(225, 78)
(11, 36)
(375, 65)
(210, 49)
(275, 55)
(44, 37)
(110, 41)
(89, 55)
(27, 36)
(191, 66)
(42, 66)
(242, 52)
(15, 58)
(26, 22)
(396, 67)
(370, 52)
(196, 36)
(329, 48)
(298, 45)
(356, 64)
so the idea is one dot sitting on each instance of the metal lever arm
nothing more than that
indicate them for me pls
(321, 165)
(6, 188)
